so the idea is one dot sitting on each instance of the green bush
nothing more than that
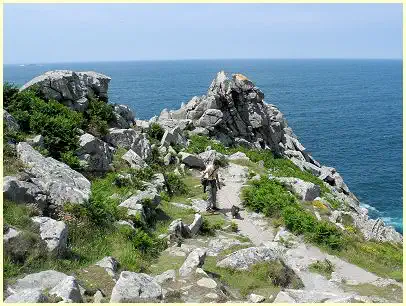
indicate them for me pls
(155, 132)
(56, 122)
(71, 160)
(198, 144)
(176, 184)
(324, 267)
(267, 196)
(98, 116)
(271, 198)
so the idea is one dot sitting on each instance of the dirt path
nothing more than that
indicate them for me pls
(234, 177)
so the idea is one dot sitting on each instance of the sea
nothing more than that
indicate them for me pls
(347, 113)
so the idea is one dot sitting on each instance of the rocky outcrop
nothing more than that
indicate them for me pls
(210, 155)
(68, 290)
(134, 160)
(71, 88)
(54, 233)
(134, 287)
(129, 139)
(23, 192)
(243, 259)
(58, 181)
(191, 160)
(95, 154)
(110, 264)
(27, 296)
(124, 117)
(44, 280)
(10, 122)
(173, 137)
(306, 191)
(194, 260)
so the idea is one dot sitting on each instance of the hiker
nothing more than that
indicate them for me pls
(210, 179)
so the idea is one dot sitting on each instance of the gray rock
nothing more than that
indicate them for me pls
(206, 283)
(172, 137)
(375, 229)
(23, 192)
(305, 190)
(98, 297)
(210, 118)
(140, 198)
(191, 160)
(11, 233)
(244, 258)
(237, 156)
(134, 160)
(125, 223)
(309, 296)
(95, 154)
(135, 287)
(199, 131)
(54, 233)
(217, 245)
(124, 116)
(158, 181)
(27, 296)
(196, 225)
(199, 205)
(10, 122)
(255, 298)
(36, 141)
(194, 260)
(68, 290)
(129, 139)
(110, 264)
(166, 276)
(143, 124)
(44, 280)
(71, 88)
(178, 230)
(283, 297)
(61, 183)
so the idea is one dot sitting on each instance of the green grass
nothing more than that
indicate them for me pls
(324, 268)
(166, 262)
(392, 293)
(198, 144)
(382, 258)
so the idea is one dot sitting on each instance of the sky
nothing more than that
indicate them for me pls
(46, 33)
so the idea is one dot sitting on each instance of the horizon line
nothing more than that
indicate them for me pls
(204, 59)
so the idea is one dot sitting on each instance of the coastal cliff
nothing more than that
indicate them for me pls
(74, 163)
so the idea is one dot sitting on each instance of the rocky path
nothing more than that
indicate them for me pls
(234, 177)
(299, 255)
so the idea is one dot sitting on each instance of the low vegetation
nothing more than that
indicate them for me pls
(324, 267)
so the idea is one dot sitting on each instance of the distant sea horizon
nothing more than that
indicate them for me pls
(346, 112)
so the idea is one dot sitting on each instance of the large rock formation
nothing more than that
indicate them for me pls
(71, 88)
(55, 179)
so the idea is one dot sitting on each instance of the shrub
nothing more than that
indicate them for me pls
(279, 274)
(98, 116)
(198, 144)
(267, 196)
(234, 227)
(176, 184)
(71, 160)
(56, 122)
(155, 132)
(324, 267)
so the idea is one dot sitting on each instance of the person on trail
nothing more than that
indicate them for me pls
(210, 179)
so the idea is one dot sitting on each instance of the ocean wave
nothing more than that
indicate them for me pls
(397, 223)
(369, 207)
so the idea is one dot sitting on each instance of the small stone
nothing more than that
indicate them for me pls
(212, 295)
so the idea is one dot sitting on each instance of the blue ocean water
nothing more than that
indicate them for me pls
(348, 113)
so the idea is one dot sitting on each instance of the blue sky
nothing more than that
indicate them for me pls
(40, 33)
